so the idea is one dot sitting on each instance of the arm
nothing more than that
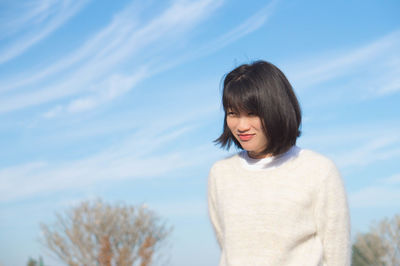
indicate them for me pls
(332, 219)
(212, 207)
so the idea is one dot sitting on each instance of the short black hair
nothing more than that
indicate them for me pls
(262, 89)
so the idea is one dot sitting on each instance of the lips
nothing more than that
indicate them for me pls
(245, 137)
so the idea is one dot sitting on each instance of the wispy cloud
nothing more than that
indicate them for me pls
(251, 24)
(145, 152)
(101, 69)
(394, 179)
(181, 209)
(384, 193)
(32, 22)
(372, 151)
(96, 44)
(140, 155)
(357, 145)
(101, 60)
(375, 196)
(378, 63)
(107, 90)
(109, 64)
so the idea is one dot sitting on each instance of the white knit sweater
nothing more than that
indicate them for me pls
(292, 212)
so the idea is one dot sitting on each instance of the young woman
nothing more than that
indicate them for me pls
(273, 203)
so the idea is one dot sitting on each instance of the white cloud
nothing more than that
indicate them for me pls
(13, 173)
(101, 58)
(93, 74)
(392, 180)
(251, 24)
(34, 23)
(139, 156)
(389, 81)
(81, 173)
(380, 149)
(374, 68)
(107, 90)
(358, 144)
(53, 112)
(181, 208)
(81, 104)
(117, 29)
(375, 196)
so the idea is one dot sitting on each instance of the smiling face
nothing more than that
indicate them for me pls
(247, 128)
(262, 89)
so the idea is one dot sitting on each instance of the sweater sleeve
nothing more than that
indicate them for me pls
(332, 219)
(213, 208)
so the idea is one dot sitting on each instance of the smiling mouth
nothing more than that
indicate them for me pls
(245, 137)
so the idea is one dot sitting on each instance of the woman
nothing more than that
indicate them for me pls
(273, 203)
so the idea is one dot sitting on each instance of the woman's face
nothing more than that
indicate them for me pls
(248, 130)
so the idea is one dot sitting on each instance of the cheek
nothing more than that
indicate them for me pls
(231, 124)
(257, 123)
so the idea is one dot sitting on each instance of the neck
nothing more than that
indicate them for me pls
(255, 155)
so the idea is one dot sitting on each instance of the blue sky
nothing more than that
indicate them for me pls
(122, 101)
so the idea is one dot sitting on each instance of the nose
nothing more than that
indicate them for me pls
(243, 125)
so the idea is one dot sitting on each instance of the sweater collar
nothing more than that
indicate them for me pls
(268, 162)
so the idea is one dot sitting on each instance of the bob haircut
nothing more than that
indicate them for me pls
(262, 89)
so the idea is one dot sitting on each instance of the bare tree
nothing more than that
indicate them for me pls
(100, 234)
(379, 247)
(33, 262)
(389, 232)
(368, 250)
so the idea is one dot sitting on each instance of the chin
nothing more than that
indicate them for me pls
(248, 149)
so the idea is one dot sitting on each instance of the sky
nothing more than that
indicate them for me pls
(120, 100)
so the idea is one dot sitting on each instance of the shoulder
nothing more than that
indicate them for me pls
(225, 164)
(316, 164)
(314, 158)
